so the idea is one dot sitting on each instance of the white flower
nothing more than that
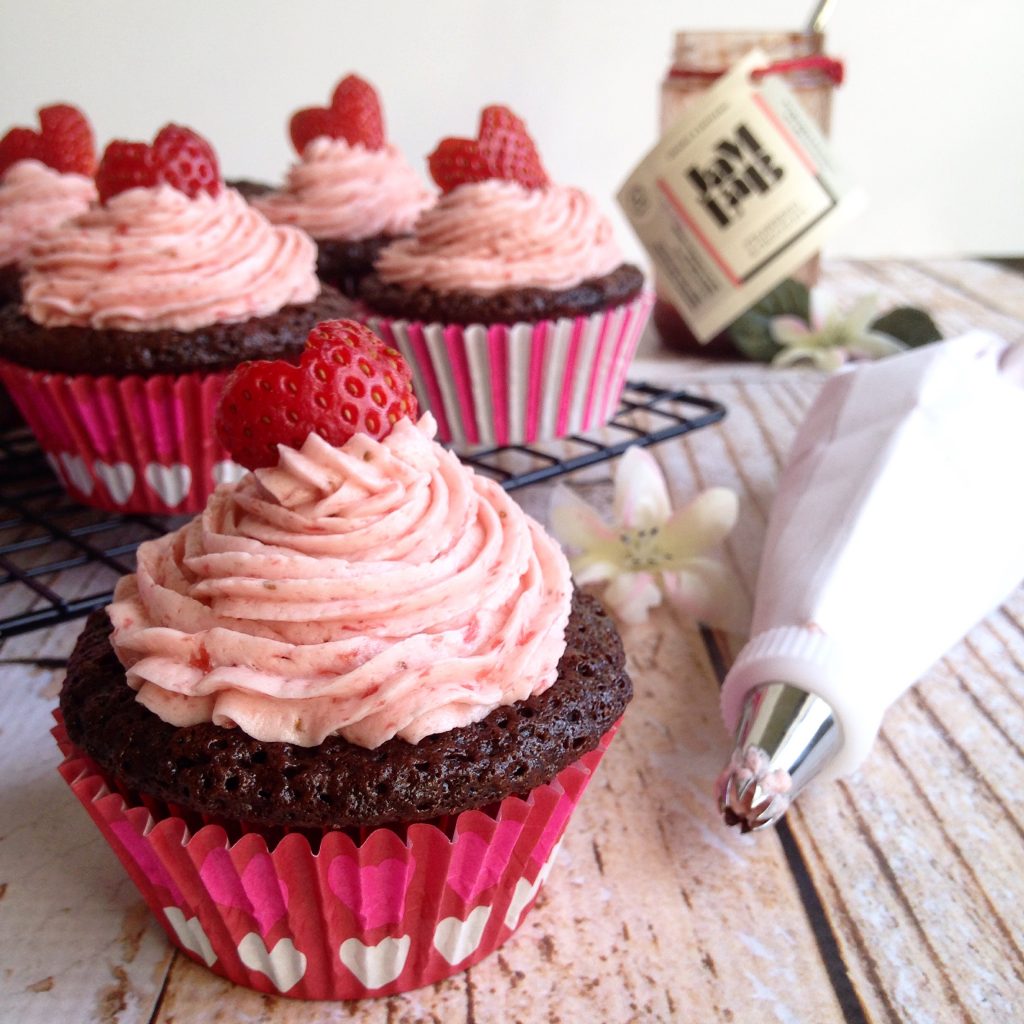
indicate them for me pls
(831, 339)
(650, 552)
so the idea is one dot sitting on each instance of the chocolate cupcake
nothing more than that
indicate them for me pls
(134, 311)
(511, 300)
(45, 178)
(348, 711)
(351, 190)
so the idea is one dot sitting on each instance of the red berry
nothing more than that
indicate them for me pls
(185, 160)
(19, 144)
(64, 142)
(354, 115)
(347, 382)
(178, 157)
(503, 149)
(68, 145)
(125, 165)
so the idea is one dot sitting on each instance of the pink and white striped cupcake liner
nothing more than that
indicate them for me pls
(518, 383)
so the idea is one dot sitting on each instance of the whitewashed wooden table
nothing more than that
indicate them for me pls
(894, 895)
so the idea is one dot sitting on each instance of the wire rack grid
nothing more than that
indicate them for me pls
(60, 560)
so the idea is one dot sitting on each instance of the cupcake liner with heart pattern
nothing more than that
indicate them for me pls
(338, 916)
(127, 444)
(519, 383)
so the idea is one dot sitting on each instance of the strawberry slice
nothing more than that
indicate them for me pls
(347, 382)
(354, 115)
(178, 157)
(502, 150)
(64, 142)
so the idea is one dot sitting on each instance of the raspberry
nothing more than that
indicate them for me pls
(354, 115)
(178, 157)
(64, 142)
(347, 382)
(503, 150)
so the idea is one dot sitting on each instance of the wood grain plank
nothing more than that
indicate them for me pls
(985, 282)
(953, 311)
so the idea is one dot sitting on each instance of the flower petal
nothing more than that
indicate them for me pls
(631, 595)
(788, 329)
(575, 523)
(875, 345)
(860, 316)
(708, 592)
(823, 304)
(595, 567)
(702, 524)
(641, 494)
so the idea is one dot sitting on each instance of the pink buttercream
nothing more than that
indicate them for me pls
(153, 259)
(375, 590)
(34, 197)
(342, 191)
(487, 236)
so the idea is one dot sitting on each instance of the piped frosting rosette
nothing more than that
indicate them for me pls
(491, 235)
(343, 191)
(369, 591)
(513, 383)
(34, 197)
(156, 259)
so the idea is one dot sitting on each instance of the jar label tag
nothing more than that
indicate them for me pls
(741, 190)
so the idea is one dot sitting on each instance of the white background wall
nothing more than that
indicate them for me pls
(930, 120)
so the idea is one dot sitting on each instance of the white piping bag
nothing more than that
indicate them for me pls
(898, 524)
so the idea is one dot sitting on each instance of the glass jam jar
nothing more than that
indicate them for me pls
(698, 59)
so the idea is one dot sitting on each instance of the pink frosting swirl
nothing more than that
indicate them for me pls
(375, 590)
(34, 197)
(491, 235)
(153, 259)
(342, 191)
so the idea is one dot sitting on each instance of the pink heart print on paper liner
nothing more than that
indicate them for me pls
(352, 918)
(127, 444)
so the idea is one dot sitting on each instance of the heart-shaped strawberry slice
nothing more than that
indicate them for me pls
(347, 382)
(502, 150)
(178, 157)
(354, 115)
(64, 142)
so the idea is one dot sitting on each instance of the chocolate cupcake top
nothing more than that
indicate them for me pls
(227, 774)
(504, 243)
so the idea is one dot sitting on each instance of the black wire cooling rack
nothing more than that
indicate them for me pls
(59, 560)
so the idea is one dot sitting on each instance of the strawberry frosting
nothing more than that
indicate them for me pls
(491, 235)
(343, 191)
(154, 259)
(34, 197)
(374, 590)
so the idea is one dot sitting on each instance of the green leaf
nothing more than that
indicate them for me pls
(914, 327)
(751, 333)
